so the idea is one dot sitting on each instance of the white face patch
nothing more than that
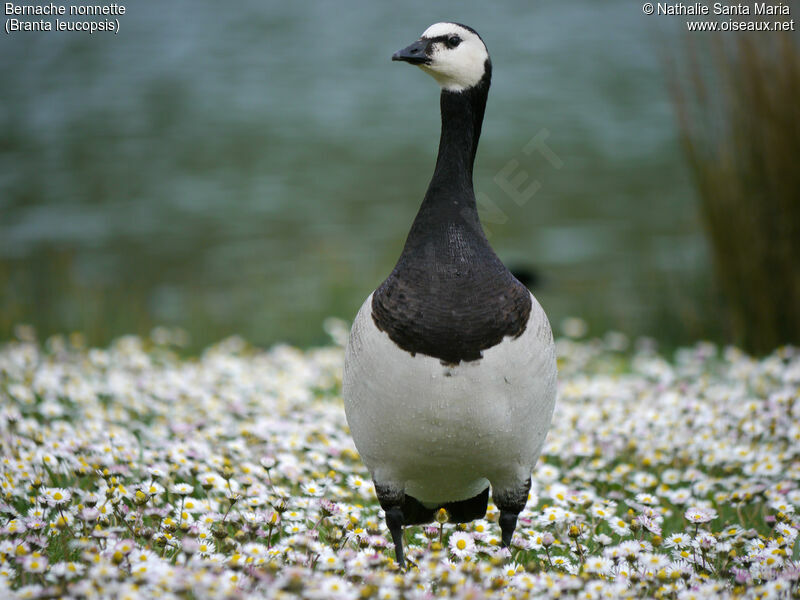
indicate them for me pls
(455, 68)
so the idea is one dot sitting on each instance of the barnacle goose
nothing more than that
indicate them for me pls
(450, 370)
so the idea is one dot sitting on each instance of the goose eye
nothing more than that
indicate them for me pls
(453, 41)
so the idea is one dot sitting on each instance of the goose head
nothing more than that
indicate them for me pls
(453, 54)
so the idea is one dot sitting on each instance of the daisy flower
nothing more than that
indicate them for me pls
(700, 514)
(602, 539)
(619, 526)
(677, 540)
(480, 528)
(552, 515)
(599, 565)
(646, 499)
(782, 506)
(34, 563)
(461, 544)
(649, 523)
(511, 569)
(181, 489)
(311, 488)
(329, 561)
(205, 547)
(57, 496)
(561, 562)
(781, 529)
(601, 511)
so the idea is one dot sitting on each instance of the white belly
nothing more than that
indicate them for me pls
(441, 432)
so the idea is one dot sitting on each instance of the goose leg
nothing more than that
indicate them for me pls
(511, 502)
(394, 520)
(391, 500)
(508, 523)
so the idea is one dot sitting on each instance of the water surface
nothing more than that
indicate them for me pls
(254, 170)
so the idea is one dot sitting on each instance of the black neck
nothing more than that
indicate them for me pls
(462, 117)
(450, 199)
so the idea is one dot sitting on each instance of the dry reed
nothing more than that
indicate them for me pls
(738, 105)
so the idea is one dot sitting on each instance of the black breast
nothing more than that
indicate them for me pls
(451, 300)
(449, 296)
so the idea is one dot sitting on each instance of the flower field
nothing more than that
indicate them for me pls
(130, 472)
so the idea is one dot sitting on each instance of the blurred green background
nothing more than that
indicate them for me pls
(254, 168)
